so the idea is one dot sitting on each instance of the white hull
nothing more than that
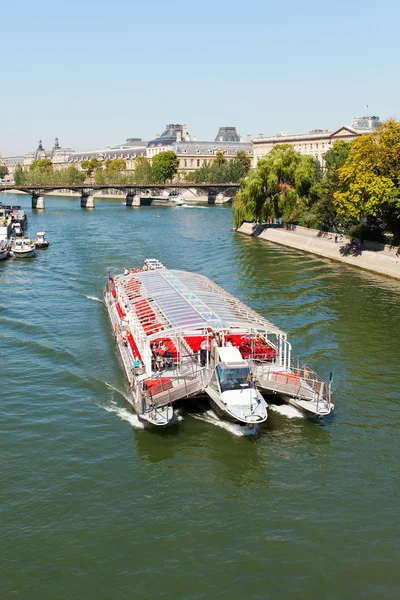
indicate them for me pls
(158, 416)
(23, 254)
(310, 409)
(240, 413)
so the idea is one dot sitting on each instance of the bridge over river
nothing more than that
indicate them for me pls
(135, 193)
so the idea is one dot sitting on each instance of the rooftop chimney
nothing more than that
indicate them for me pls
(248, 138)
(157, 136)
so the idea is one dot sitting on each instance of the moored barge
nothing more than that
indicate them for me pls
(180, 335)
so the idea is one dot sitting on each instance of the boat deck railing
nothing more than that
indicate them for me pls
(171, 387)
(299, 382)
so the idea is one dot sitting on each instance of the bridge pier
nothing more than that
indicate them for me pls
(87, 201)
(221, 199)
(37, 202)
(132, 200)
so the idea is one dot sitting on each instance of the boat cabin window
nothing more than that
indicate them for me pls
(233, 378)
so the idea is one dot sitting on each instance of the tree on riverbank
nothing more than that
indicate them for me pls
(91, 166)
(164, 166)
(220, 170)
(43, 174)
(325, 208)
(142, 170)
(369, 181)
(284, 184)
(3, 171)
(113, 172)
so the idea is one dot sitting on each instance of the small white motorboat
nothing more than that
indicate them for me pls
(41, 240)
(22, 248)
(4, 249)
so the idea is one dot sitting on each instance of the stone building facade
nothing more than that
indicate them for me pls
(317, 141)
(193, 154)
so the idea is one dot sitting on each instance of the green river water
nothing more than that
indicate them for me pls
(94, 506)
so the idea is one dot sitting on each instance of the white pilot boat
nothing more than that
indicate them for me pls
(41, 240)
(180, 335)
(22, 248)
(232, 393)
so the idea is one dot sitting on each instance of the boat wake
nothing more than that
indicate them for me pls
(124, 414)
(191, 206)
(287, 411)
(210, 417)
(94, 298)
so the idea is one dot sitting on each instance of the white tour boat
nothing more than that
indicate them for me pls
(22, 248)
(41, 240)
(180, 335)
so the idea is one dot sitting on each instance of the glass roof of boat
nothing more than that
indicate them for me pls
(187, 301)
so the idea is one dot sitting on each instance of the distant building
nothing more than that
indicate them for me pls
(193, 154)
(128, 151)
(62, 158)
(317, 141)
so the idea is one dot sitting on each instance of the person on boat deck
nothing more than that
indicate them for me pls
(163, 347)
(159, 361)
(204, 349)
(126, 271)
(250, 380)
(168, 360)
(229, 342)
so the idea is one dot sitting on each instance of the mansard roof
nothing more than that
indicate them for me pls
(211, 147)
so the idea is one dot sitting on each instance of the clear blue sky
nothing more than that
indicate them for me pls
(95, 73)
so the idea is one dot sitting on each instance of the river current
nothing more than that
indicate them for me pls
(95, 506)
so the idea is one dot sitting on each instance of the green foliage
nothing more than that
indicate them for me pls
(369, 180)
(219, 159)
(325, 208)
(19, 175)
(3, 171)
(239, 166)
(282, 185)
(220, 170)
(91, 165)
(43, 165)
(73, 176)
(116, 165)
(164, 166)
(142, 170)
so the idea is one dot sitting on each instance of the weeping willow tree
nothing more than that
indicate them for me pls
(284, 184)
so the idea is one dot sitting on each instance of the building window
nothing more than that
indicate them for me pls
(198, 162)
(185, 163)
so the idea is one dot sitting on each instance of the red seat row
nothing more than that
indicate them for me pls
(119, 310)
(152, 387)
(132, 344)
(194, 341)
